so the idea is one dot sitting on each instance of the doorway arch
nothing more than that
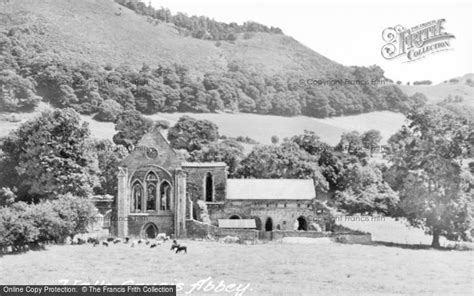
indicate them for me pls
(149, 230)
(269, 224)
(234, 217)
(302, 224)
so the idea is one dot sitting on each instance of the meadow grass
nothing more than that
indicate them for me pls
(262, 269)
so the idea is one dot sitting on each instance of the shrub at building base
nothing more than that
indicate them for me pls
(29, 225)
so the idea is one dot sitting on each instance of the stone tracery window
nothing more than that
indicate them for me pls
(165, 196)
(137, 193)
(151, 181)
(151, 198)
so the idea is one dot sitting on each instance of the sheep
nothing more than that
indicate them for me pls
(162, 236)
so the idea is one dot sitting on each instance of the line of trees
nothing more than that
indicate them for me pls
(30, 72)
(200, 27)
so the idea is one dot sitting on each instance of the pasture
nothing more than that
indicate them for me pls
(263, 127)
(258, 127)
(273, 268)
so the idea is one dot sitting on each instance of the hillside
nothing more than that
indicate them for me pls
(91, 30)
(100, 56)
(459, 86)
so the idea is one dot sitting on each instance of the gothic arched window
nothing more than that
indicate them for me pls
(151, 197)
(165, 196)
(137, 193)
(151, 184)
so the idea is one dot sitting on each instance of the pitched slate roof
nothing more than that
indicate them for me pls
(237, 223)
(279, 189)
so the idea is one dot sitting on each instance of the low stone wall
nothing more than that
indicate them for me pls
(345, 238)
(351, 238)
(279, 234)
(196, 229)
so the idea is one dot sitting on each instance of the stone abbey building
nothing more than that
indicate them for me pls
(159, 193)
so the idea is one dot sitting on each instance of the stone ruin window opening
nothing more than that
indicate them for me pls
(301, 224)
(234, 217)
(269, 224)
(151, 181)
(165, 196)
(209, 188)
(137, 193)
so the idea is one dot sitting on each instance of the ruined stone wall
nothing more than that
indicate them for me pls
(283, 214)
(195, 178)
(196, 229)
(164, 223)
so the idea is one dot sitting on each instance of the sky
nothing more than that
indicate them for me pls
(350, 33)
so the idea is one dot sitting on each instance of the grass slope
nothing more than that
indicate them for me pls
(263, 127)
(441, 91)
(91, 30)
(258, 127)
(267, 269)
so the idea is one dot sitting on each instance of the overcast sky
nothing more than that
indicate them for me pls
(351, 33)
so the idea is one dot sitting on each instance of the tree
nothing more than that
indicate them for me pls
(50, 156)
(109, 156)
(108, 111)
(192, 134)
(364, 191)
(228, 151)
(7, 196)
(317, 103)
(310, 142)
(352, 144)
(285, 161)
(275, 139)
(131, 126)
(16, 93)
(371, 140)
(427, 171)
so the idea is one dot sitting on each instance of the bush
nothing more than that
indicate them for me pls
(22, 224)
(17, 227)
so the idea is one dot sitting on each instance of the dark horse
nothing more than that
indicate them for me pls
(178, 247)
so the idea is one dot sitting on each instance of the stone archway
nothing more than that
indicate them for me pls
(235, 217)
(269, 224)
(149, 230)
(302, 223)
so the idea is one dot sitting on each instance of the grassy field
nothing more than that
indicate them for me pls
(262, 127)
(438, 92)
(262, 269)
(258, 127)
